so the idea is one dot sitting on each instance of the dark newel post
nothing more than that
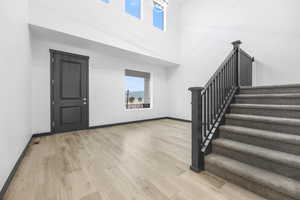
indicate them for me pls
(197, 156)
(236, 47)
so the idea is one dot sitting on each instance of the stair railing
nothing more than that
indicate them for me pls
(210, 103)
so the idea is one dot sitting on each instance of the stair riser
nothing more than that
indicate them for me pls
(270, 91)
(266, 143)
(243, 182)
(267, 100)
(264, 126)
(266, 112)
(254, 160)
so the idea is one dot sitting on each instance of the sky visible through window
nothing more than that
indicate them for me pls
(134, 83)
(158, 17)
(133, 7)
(106, 1)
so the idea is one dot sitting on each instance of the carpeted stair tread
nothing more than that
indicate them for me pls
(265, 119)
(263, 134)
(286, 159)
(259, 178)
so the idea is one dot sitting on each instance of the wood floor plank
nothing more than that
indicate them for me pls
(141, 161)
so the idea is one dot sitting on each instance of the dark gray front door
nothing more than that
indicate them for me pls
(69, 91)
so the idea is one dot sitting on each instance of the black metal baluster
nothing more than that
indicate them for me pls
(231, 63)
(235, 70)
(232, 72)
(220, 89)
(229, 72)
(203, 116)
(217, 93)
(213, 100)
(205, 111)
(223, 83)
(215, 97)
(227, 80)
(211, 105)
(207, 102)
(229, 88)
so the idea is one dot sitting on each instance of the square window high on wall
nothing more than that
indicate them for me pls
(105, 1)
(159, 14)
(137, 90)
(133, 7)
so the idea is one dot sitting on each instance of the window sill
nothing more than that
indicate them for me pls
(138, 109)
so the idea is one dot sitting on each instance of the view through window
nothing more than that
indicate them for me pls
(137, 89)
(133, 7)
(159, 16)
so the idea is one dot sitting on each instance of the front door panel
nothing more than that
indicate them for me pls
(69, 92)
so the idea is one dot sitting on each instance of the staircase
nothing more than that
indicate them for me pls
(247, 135)
(258, 144)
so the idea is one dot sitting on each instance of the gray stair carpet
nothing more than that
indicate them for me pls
(275, 161)
(258, 145)
(287, 125)
(287, 111)
(281, 99)
(260, 181)
(295, 88)
(284, 142)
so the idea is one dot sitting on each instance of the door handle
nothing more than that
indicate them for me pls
(84, 100)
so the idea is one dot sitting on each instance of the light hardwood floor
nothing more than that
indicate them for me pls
(142, 161)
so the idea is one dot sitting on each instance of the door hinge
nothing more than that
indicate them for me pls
(52, 59)
(53, 124)
(52, 82)
(52, 102)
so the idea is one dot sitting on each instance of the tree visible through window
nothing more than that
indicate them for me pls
(133, 7)
(137, 89)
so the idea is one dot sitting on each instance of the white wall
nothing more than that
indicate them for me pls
(107, 84)
(269, 30)
(109, 24)
(15, 87)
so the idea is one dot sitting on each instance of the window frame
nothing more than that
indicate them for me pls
(150, 89)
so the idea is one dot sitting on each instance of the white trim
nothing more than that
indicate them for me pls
(142, 9)
(165, 20)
